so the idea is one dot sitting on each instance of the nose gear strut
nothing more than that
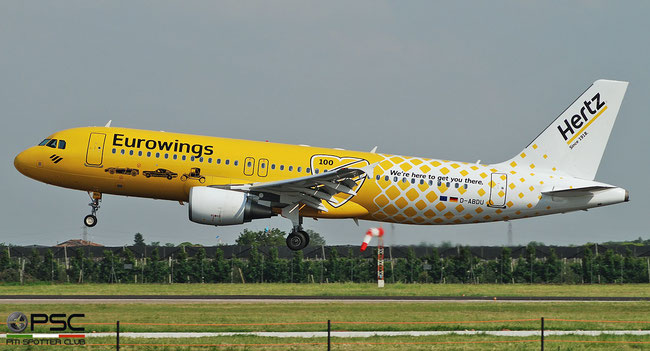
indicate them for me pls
(91, 219)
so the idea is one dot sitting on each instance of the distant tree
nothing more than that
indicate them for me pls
(315, 239)
(155, 243)
(169, 245)
(138, 239)
(272, 237)
(445, 245)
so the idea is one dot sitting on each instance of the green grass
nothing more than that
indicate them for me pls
(447, 342)
(355, 289)
(388, 316)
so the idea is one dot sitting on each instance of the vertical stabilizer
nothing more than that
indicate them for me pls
(575, 142)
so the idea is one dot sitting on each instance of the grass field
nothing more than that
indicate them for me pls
(355, 289)
(345, 316)
(449, 342)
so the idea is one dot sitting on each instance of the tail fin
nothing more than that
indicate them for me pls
(575, 142)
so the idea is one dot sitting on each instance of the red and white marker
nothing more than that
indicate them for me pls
(378, 232)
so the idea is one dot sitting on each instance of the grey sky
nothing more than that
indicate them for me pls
(453, 80)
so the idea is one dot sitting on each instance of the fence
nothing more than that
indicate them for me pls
(329, 326)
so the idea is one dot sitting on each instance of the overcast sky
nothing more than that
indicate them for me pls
(453, 80)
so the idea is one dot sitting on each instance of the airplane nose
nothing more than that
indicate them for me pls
(19, 162)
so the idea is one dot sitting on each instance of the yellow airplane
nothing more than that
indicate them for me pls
(229, 182)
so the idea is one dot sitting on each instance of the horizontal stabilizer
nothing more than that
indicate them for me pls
(570, 192)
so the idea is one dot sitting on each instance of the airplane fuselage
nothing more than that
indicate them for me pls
(401, 189)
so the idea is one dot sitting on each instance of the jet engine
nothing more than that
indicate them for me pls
(223, 207)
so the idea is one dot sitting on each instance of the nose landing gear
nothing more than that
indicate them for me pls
(91, 219)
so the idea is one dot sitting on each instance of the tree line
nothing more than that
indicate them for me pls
(463, 267)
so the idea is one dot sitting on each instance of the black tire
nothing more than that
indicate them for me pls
(169, 176)
(304, 233)
(183, 178)
(111, 171)
(134, 173)
(202, 180)
(147, 175)
(90, 221)
(296, 241)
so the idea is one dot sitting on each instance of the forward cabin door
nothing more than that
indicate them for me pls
(498, 190)
(95, 152)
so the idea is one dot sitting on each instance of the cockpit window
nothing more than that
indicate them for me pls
(61, 144)
(44, 142)
(52, 143)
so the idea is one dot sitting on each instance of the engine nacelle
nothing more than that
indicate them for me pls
(223, 207)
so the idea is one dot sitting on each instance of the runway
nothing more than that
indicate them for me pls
(81, 299)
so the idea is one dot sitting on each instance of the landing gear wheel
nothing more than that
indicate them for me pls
(90, 220)
(296, 241)
(304, 233)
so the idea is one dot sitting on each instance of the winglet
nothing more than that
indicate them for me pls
(108, 124)
(374, 150)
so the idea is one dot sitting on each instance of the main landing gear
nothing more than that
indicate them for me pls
(91, 219)
(298, 239)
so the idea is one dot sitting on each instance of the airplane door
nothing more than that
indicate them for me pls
(498, 190)
(263, 167)
(249, 166)
(95, 152)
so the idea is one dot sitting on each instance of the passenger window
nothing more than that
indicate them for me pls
(200, 159)
(175, 157)
(227, 162)
(316, 171)
(218, 161)
(131, 152)
(290, 168)
(421, 181)
(282, 167)
(157, 154)
(273, 166)
(249, 164)
(430, 182)
(412, 181)
(448, 184)
(308, 170)
(263, 165)
(166, 156)
(395, 179)
(183, 158)
(139, 153)
(114, 150)
(122, 151)
(209, 159)
(192, 158)
(404, 180)
(148, 153)
(465, 186)
(52, 143)
(299, 169)
(44, 142)
(456, 185)
(386, 178)
(378, 176)
(61, 144)
(236, 163)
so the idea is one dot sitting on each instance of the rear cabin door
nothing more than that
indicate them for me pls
(263, 167)
(249, 166)
(498, 190)
(95, 152)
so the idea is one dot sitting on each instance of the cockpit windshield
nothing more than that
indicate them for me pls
(53, 143)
